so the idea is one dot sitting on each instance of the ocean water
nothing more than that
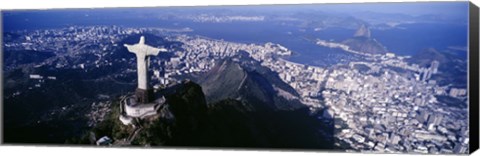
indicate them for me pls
(406, 39)
(409, 39)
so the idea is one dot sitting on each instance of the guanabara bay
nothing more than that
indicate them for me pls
(336, 77)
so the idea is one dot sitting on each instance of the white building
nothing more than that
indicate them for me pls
(131, 109)
(35, 76)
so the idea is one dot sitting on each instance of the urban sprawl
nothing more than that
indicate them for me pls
(375, 110)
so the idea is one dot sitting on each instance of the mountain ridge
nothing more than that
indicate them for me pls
(229, 79)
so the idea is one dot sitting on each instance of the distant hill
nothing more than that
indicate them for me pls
(425, 57)
(325, 20)
(362, 41)
(452, 68)
(15, 58)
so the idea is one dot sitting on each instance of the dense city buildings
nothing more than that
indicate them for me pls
(387, 105)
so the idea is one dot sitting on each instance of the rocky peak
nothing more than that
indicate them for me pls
(363, 31)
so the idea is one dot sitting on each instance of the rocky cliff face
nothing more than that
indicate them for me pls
(188, 119)
(363, 31)
(247, 83)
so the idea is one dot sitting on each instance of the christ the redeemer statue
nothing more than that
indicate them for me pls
(143, 53)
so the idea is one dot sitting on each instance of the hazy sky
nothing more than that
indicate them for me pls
(419, 8)
(455, 9)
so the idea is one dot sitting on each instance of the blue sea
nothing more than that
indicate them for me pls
(405, 39)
